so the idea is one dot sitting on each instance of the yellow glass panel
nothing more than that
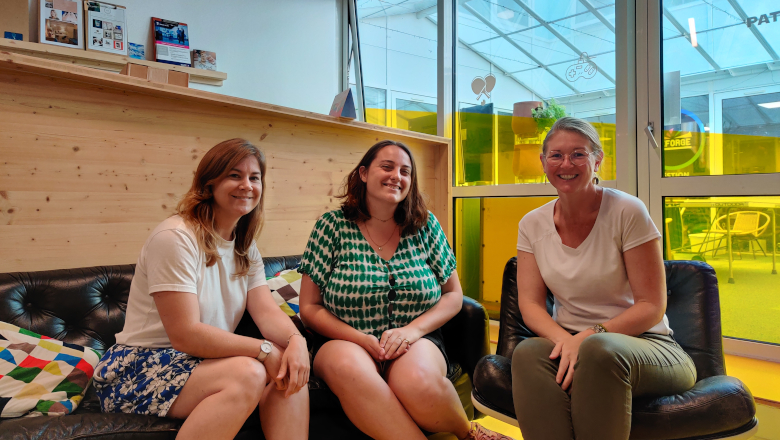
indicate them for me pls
(689, 153)
(486, 238)
(745, 139)
(413, 120)
(376, 116)
(738, 237)
(497, 149)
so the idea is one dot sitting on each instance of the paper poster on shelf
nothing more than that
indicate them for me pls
(105, 27)
(59, 23)
(171, 42)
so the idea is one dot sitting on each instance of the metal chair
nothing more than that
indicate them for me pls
(744, 225)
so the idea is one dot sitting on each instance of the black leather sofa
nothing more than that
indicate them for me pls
(87, 307)
(717, 407)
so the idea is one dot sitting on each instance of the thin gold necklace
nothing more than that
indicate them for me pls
(379, 246)
(383, 221)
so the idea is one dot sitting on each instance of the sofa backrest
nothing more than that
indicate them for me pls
(84, 306)
(693, 310)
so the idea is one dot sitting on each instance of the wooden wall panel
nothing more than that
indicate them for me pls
(89, 163)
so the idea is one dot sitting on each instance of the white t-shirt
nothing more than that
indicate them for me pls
(590, 283)
(172, 261)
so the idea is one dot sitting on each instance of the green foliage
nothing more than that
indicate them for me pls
(546, 116)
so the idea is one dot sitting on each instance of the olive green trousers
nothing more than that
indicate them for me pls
(611, 369)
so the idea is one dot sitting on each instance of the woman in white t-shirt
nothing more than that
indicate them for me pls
(199, 270)
(609, 340)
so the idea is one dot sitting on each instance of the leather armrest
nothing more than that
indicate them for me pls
(466, 336)
(493, 384)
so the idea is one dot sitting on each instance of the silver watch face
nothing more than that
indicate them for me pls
(266, 347)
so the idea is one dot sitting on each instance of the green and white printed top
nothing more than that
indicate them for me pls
(354, 280)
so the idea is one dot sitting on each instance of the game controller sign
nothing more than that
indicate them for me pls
(585, 68)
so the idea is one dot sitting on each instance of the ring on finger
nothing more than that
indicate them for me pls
(407, 342)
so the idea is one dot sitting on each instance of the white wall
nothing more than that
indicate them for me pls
(280, 52)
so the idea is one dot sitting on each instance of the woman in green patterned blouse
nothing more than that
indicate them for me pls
(379, 282)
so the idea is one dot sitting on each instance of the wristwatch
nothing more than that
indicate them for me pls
(265, 350)
(599, 328)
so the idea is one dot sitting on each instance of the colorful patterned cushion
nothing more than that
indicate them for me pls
(285, 287)
(40, 375)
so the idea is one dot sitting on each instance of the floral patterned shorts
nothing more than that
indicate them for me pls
(141, 380)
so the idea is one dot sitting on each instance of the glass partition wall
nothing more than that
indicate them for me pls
(701, 75)
(519, 65)
(714, 182)
(398, 50)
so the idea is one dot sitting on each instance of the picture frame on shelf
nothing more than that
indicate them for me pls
(60, 23)
(203, 59)
(136, 51)
(106, 26)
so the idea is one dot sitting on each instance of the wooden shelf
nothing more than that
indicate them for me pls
(33, 65)
(103, 61)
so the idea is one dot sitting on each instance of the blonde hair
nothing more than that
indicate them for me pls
(196, 207)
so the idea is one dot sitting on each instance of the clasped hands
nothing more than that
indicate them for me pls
(289, 369)
(394, 343)
(568, 350)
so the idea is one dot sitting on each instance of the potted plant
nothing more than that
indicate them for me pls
(526, 165)
(523, 122)
(546, 116)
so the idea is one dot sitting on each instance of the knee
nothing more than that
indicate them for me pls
(246, 379)
(531, 351)
(602, 352)
(412, 384)
(343, 360)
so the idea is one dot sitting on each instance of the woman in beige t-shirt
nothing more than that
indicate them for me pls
(608, 340)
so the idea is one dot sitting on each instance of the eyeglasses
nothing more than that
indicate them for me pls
(577, 157)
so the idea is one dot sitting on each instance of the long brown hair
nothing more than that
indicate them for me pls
(197, 206)
(411, 214)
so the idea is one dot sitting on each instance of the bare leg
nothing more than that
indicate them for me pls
(419, 380)
(218, 397)
(284, 418)
(368, 401)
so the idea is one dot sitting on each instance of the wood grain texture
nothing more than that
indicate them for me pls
(91, 162)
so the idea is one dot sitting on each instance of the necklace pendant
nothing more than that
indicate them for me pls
(380, 248)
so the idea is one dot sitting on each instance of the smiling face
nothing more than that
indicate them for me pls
(238, 193)
(568, 177)
(389, 176)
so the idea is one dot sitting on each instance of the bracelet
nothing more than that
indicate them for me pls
(295, 333)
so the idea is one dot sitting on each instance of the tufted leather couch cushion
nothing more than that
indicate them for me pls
(717, 406)
(86, 306)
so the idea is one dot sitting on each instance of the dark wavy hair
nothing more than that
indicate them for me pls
(197, 206)
(411, 214)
